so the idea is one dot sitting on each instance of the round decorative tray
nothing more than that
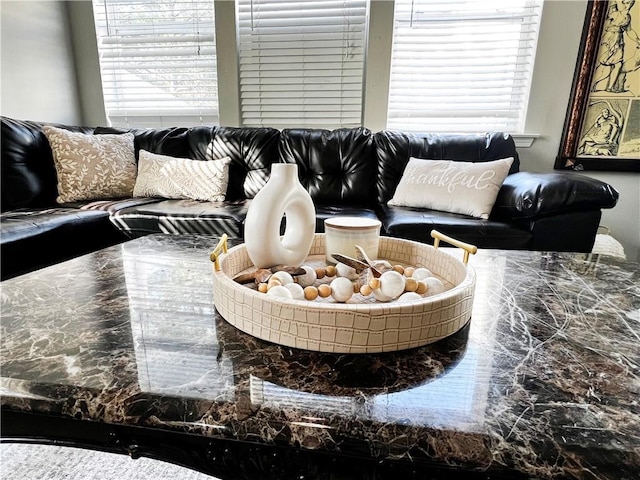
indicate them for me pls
(360, 325)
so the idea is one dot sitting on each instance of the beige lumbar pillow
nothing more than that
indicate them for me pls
(181, 178)
(92, 167)
(451, 186)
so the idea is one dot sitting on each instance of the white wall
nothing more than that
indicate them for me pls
(38, 80)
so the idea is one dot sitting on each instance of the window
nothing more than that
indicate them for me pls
(301, 62)
(462, 65)
(158, 62)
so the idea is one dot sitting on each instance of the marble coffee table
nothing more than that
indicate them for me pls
(123, 351)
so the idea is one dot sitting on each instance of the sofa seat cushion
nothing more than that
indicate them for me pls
(182, 216)
(416, 224)
(35, 238)
(115, 205)
(25, 223)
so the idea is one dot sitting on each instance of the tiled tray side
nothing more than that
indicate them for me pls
(350, 327)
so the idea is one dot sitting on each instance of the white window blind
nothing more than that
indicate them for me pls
(158, 62)
(462, 65)
(302, 62)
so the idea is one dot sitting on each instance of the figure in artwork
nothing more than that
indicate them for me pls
(603, 135)
(619, 52)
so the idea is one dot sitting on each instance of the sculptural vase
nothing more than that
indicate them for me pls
(283, 195)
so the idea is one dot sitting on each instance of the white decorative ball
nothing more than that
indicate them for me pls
(392, 284)
(297, 292)
(409, 297)
(434, 286)
(380, 297)
(309, 278)
(421, 273)
(341, 289)
(280, 291)
(346, 271)
(283, 276)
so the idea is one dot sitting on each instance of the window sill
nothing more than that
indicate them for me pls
(524, 140)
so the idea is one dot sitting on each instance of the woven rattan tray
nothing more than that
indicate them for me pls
(358, 326)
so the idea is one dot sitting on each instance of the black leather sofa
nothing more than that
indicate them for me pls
(346, 171)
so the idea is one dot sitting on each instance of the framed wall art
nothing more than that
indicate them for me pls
(602, 126)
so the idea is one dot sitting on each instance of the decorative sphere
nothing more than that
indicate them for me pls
(297, 292)
(346, 271)
(392, 284)
(283, 276)
(310, 292)
(341, 289)
(324, 290)
(309, 277)
(421, 273)
(280, 291)
(434, 286)
(366, 290)
(410, 285)
(380, 297)
(409, 297)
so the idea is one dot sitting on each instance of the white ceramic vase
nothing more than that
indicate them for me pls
(283, 195)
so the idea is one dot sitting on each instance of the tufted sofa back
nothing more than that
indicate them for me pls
(394, 149)
(252, 151)
(337, 167)
(28, 176)
(27, 171)
(347, 166)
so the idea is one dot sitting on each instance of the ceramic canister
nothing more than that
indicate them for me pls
(342, 234)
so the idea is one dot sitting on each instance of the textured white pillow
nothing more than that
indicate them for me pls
(92, 167)
(181, 178)
(452, 186)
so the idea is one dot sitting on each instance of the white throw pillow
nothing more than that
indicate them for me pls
(181, 178)
(452, 186)
(92, 167)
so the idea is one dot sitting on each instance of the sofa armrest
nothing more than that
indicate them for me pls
(527, 195)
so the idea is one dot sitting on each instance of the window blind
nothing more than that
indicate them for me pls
(462, 65)
(301, 62)
(158, 62)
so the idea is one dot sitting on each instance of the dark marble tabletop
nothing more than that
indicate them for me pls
(544, 381)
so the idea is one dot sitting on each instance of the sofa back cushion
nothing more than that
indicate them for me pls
(394, 149)
(337, 167)
(251, 150)
(28, 174)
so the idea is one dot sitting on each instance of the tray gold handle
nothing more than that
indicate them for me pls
(220, 248)
(467, 247)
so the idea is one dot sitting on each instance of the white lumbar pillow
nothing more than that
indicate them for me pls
(452, 186)
(181, 178)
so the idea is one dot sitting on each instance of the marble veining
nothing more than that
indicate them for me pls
(543, 381)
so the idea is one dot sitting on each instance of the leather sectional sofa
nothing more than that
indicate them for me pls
(346, 171)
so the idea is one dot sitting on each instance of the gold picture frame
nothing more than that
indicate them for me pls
(602, 126)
